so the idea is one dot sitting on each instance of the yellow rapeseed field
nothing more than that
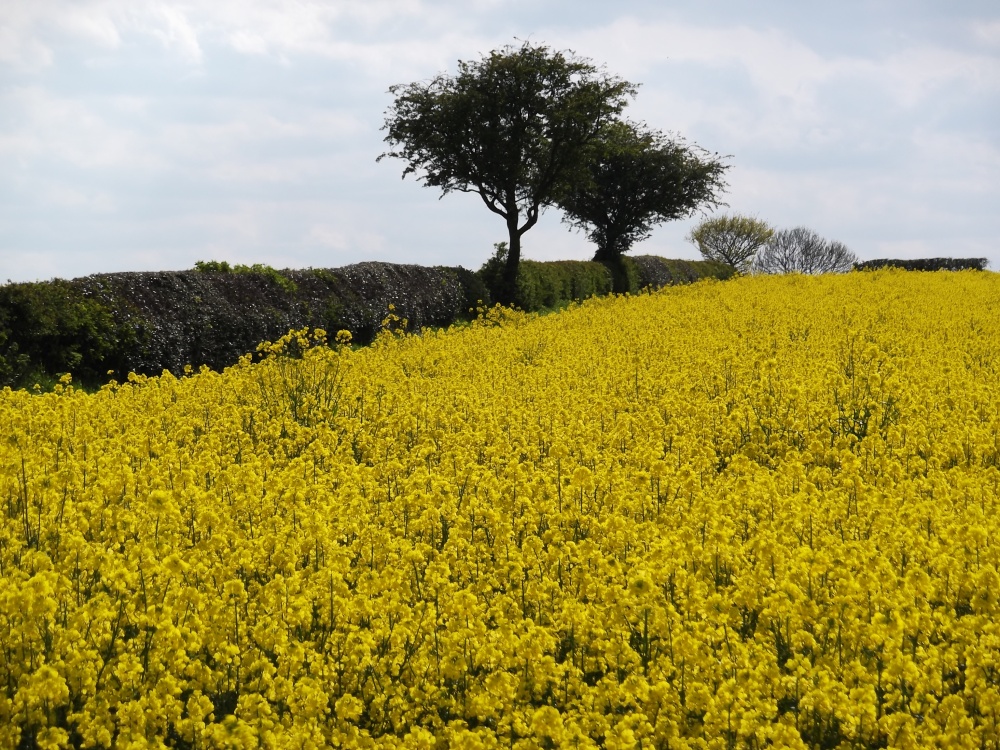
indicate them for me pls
(757, 513)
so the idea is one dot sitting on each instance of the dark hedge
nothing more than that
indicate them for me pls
(925, 264)
(149, 322)
(654, 271)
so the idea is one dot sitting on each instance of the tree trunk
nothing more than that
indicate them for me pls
(508, 286)
(614, 261)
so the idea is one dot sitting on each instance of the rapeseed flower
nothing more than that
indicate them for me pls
(744, 514)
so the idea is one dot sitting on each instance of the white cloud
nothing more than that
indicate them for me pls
(243, 225)
(341, 239)
(69, 130)
(123, 133)
(29, 31)
(171, 26)
(271, 158)
(26, 265)
(958, 162)
(777, 64)
(28, 28)
(20, 48)
(780, 67)
(920, 72)
(988, 31)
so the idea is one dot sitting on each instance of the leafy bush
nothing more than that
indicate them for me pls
(51, 328)
(221, 266)
(553, 284)
(731, 239)
(475, 292)
(215, 314)
(547, 284)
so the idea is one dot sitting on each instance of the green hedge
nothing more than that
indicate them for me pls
(55, 327)
(551, 284)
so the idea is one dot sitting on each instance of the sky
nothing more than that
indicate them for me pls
(140, 135)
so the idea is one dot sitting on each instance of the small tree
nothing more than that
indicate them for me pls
(734, 240)
(511, 127)
(801, 250)
(635, 179)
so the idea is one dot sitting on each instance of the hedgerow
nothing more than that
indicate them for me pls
(108, 325)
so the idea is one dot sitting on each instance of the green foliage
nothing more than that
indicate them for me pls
(625, 277)
(543, 285)
(325, 275)
(148, 322)
(925, 264)
(512, 127)
(553, 284)
(213, 266)
(52, 328)
(261, 269)
(636, 178)
(734, 240)
(492, 271)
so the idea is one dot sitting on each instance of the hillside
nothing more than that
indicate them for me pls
(760, 513)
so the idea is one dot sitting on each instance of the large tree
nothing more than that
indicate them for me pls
(512, 127)
(635, 179)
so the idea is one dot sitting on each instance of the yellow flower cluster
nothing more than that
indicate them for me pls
(760, 513)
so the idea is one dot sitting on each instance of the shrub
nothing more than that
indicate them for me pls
(215, 314)
(47, 328)
(552, 284)
(547, 284)
(221, 266)
(801, 250)
(731, 239)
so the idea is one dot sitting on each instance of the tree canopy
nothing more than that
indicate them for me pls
(513, 127)
(731, 239)
(636, 178)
